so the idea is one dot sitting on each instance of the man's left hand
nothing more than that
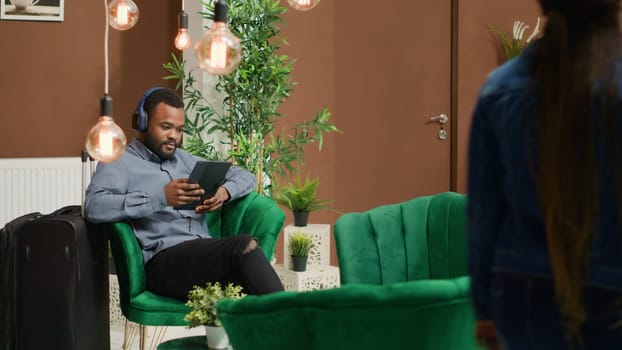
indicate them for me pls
(214, 202)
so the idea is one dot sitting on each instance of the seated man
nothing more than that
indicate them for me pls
(145, 184)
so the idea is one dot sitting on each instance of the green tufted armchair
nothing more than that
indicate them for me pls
(404, 286)
(253, 214)
(423, 238)
(421, 315)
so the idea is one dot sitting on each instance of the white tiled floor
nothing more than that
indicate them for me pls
(116, 336)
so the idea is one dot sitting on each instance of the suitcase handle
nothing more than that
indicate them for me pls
(67, 210)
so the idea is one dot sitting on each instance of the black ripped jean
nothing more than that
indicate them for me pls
(174, 271)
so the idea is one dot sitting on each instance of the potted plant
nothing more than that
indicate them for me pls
(300, 244)
(510, 46)
(202, 301)
(301, 199)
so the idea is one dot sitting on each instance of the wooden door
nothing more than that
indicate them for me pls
(393, 72)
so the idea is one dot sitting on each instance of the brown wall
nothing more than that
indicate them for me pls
(55, 75)
(311, 35)
(477, 57)
(311, 38)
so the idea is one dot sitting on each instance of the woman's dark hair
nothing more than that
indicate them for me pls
(577, 106)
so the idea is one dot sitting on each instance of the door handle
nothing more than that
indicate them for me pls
(441, 119)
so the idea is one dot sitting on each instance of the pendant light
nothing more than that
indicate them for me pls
(182, 40)
(219, 52)
(303, 5)
(106, 141)
(123, 14)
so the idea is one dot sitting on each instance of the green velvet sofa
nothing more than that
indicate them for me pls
(404, 286)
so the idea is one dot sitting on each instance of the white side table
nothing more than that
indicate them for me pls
(315, 278)
(319, 255)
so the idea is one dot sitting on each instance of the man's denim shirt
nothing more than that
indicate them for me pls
(505, 226)
(132, 189)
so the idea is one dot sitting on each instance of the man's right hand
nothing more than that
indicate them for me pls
(179, 192)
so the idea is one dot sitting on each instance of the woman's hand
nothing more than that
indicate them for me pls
(486, 335)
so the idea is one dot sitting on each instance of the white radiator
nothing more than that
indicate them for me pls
(39, 184)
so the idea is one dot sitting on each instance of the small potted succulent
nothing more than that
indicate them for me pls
(301, 199)
(299, 245)
(202, 301)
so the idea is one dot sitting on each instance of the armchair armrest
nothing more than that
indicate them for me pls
(128, 258)
(256, 215)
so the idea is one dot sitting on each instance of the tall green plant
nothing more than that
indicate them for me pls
(253, 94)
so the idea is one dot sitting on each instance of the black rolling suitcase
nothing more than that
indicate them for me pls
(8, 292)
(59, 282)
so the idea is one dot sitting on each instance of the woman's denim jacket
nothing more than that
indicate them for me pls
(505, 225)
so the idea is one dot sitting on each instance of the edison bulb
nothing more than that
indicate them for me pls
(303, 5)
(123, 14)
(182, 40)
(106, 141)
(219, 52)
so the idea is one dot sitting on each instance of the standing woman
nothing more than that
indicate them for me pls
(545, 188)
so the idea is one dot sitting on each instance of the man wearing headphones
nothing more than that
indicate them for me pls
(144, 186)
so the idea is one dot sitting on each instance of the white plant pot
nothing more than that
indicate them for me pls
(216, 337)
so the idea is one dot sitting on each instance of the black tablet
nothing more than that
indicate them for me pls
(209, 175)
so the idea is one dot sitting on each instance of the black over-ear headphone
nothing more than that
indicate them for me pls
(140, 119)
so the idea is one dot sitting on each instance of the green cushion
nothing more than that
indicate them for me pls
(422, 238)
(428, 314)
(152, 309)
(253, 214)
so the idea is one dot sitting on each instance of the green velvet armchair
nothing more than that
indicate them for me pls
(253, 214)
(423, 238)
(404, 286)
(422, 315)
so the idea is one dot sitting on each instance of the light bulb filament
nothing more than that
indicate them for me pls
(218, 54)
(105, 143)
(122, 14)
(303, 5)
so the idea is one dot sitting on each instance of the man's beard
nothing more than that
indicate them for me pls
(157, 147)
